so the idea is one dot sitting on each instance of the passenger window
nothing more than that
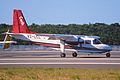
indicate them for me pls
(87, 42)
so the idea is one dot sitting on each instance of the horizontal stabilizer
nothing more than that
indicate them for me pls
(7, 41)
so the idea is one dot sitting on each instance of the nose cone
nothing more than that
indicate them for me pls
(107, 47)
(103, 47)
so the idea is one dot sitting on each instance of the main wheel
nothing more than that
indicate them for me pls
(74, 54)
(108, 54)
(63, 55)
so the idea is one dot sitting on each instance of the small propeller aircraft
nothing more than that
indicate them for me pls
(62, 42)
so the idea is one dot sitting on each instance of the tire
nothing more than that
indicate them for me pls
(108, 55)
(63, 55)
(74, 54)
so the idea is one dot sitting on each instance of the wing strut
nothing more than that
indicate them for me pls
(62, 48)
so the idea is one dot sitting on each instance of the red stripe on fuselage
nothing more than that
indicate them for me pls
(52, 45)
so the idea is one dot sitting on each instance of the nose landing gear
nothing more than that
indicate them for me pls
(108, 54)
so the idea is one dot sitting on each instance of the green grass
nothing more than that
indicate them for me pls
(58, 74)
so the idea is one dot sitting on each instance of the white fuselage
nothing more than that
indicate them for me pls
(88, 44)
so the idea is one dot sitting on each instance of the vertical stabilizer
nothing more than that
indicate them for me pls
(19, 23)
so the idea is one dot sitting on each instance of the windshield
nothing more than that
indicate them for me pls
(96, 41)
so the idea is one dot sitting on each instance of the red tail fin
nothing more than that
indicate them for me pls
(19, 23)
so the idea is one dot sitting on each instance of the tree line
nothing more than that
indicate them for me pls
(109, 33)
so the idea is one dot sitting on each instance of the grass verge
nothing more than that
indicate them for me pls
(58, 74)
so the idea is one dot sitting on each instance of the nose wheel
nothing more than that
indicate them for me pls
(108, 54)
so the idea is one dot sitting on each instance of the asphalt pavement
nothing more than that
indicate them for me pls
(52, 59)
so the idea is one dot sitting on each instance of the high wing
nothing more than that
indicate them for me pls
(69, 39)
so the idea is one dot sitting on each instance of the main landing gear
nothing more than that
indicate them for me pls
(108, 54)
(62, 49)
(74, 54)
(62, 55)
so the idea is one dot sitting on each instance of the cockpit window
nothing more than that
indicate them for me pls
(87, 41)
(96, 41)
